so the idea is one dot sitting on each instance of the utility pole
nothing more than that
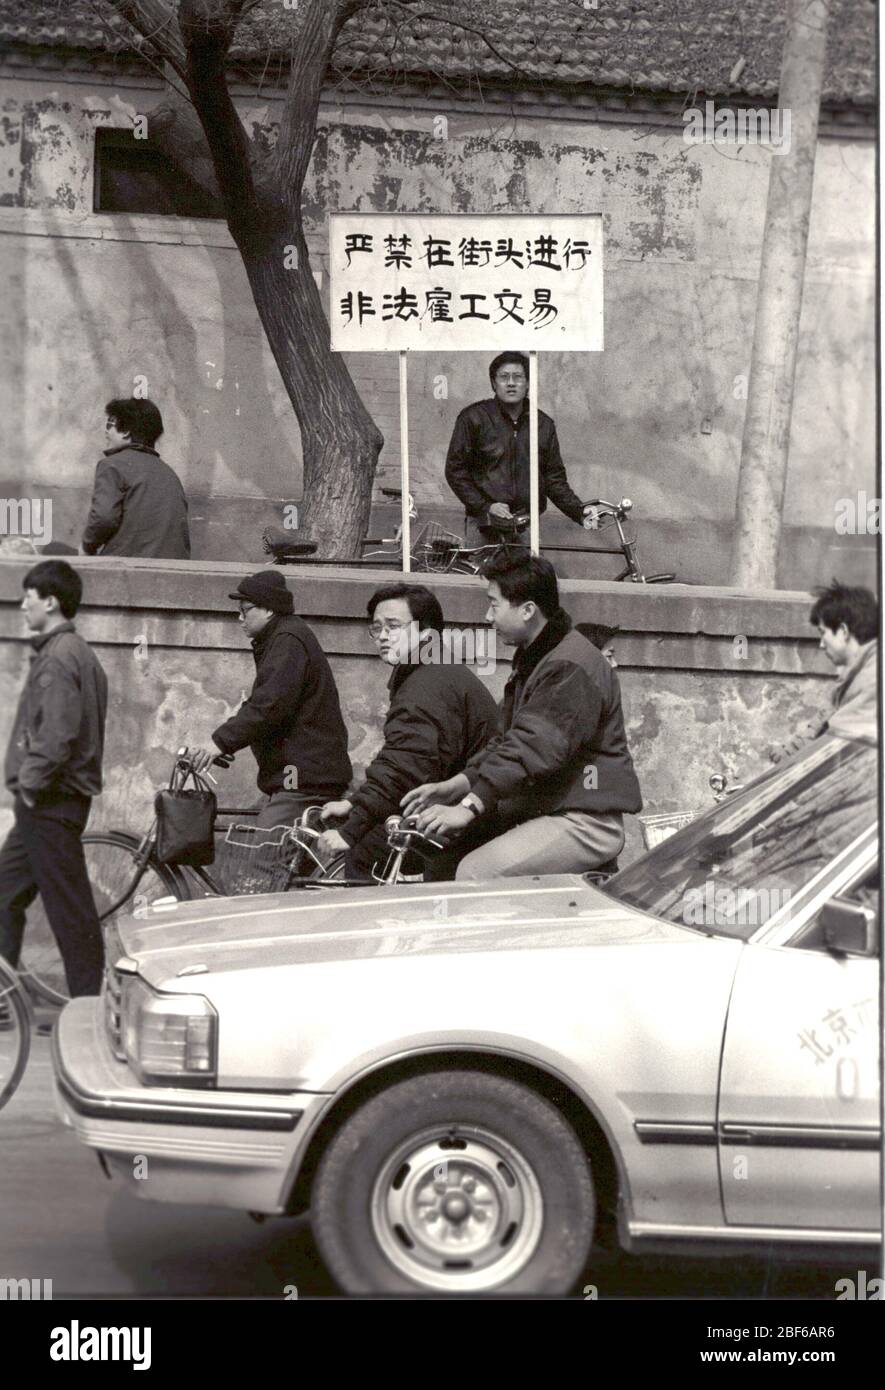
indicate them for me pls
(766, 441)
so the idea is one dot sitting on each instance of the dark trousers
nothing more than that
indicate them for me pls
(371, 852)
(43, 853)
(284, 808)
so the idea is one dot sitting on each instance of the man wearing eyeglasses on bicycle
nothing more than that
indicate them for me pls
(292, 719)
(487, 466)
(440, 714)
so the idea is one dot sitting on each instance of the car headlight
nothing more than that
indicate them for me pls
(168, 1037)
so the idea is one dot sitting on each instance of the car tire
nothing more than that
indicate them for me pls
(390, 1214)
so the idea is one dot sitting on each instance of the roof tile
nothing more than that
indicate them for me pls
(653, 45)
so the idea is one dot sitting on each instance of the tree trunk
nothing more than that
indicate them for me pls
(340, 442)
(766, 440)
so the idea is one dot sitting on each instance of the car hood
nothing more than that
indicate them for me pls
(353, 923)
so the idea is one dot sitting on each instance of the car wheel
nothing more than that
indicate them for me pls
(454, 1182)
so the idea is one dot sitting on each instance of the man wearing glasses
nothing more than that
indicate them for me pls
(487, 466)
(440, 714)
(292, 719)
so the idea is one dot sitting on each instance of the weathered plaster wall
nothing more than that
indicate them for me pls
(178, 663)
(92, 301)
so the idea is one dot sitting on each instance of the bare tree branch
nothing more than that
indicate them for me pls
(152, 58)
(155, 20)
(207, 29)
(448, 19)
(317, 35)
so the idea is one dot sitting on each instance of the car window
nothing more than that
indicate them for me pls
(734, 867)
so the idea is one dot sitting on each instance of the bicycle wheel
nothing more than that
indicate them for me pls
(333, 871)
(16, 1020)
(111, 866)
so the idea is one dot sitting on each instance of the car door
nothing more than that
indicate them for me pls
(798, 1115)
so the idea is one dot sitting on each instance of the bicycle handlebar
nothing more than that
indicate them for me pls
(610, 508)
(511, 525)
(402, 830)
(184, 759)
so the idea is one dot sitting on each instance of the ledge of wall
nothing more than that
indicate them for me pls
(711, 677)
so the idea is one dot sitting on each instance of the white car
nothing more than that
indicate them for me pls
(461, 1081)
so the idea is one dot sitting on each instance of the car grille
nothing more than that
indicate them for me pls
(113, 1008)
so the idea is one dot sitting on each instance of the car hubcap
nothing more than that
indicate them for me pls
(458, 1209)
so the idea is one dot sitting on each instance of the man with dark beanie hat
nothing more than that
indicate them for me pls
(292, 719)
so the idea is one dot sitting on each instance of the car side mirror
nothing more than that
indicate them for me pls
(850, 929)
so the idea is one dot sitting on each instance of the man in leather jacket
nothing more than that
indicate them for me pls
(487, 466)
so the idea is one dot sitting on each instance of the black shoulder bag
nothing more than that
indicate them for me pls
(185, 820)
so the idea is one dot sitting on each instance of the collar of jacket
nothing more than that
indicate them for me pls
(401, 673)
(141, 448)
(506, 413)
(268, 630)
(867, 653)
(43, 637)
(550, 636)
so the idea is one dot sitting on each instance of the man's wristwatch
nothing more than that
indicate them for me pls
(472, 803)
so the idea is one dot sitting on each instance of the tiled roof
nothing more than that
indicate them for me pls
(676, 46)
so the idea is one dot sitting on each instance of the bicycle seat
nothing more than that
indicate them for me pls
(282, 546)
(396, 492)
(601, 873)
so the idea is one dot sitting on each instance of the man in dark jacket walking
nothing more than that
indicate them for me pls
(53, 769)
(487, 466)
(139, 507)
(549, 793)
(292, 719)
(440, 714)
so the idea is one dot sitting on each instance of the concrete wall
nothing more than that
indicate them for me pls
(94, 301)
(710, 678)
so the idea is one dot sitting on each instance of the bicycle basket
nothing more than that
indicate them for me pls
(656, 829)
(252, 859)
(434, 548)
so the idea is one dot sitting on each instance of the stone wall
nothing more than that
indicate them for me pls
(710, 677)
(93, 301)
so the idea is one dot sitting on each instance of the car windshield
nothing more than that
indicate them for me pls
(734, 867)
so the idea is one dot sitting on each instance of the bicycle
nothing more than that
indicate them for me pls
(473, 559)
(659, 827)
(16, 1026)
(602, 516)
(124, 869)
(436, 550)
(120, 866)
(429, 541)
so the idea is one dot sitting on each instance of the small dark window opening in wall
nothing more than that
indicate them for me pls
(134, 176)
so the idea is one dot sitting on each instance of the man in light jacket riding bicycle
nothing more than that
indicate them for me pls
(549, 793)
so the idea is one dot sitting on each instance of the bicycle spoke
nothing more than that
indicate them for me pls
(16, 1021)
(118, 885)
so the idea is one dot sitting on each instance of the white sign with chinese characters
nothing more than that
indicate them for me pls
(409, 282)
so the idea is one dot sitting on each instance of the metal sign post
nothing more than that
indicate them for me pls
(404, 460)
(535, 519)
